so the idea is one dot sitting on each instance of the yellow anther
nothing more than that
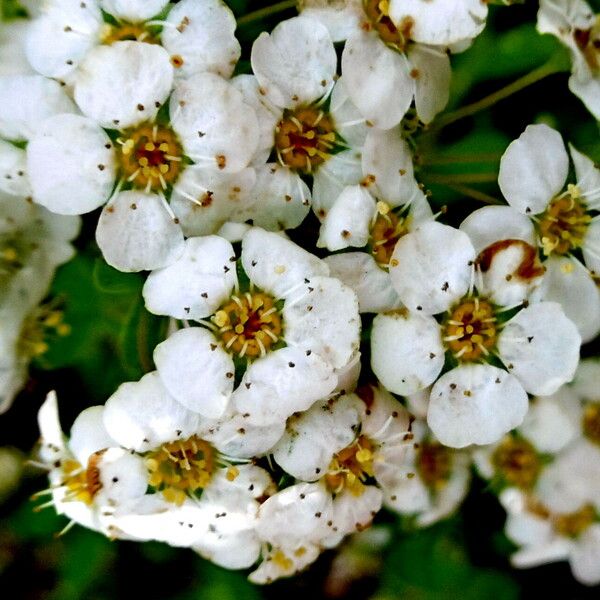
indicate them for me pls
(364, 455)
(221, 318)
(232, 473)
(383, 208)
(149, 146)
(239, 329)
(10, 254)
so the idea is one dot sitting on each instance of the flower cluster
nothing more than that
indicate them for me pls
(296, 395)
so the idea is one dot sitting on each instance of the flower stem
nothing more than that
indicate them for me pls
(267, 11)
(549, 68)
(453, 159)
(458, 178)
(473, 193)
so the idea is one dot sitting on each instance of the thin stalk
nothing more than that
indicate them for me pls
(267, 11)
(473, 193)
(460, 178)
(461, 159)
(549, 68)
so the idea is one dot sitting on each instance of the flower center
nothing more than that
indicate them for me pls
(471, 332)
(378, 13)
(351, 467)
(591, 422)
(135, 32)
(82, 484)
(517, 461)
(304, 138)
(386, 230)
(588, 41)
(179, 469)
(575, 523)
(249, 324)
(434, 464)
(43, 322)
(564, 224)
(150, 157)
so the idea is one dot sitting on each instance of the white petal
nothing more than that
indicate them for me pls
(290, 517)
(203, 36)
(279, 200)
(387, 158)
(285, 381)
(587, 89)
(196, 370)
(348, 221)
(123, 84)
(295, 64)
(533, 169)
(585, 558)
(71, 165)
(332, 176)
(133, 11)
(276, 264)
(217, 128)
(569, 283)
(526, 529)
(540, 347)
(27, 100)
(586, 379)
(323, 318)
(440, 22)
(142, 415)
(234, 436)
(194, 286)
(13, 170)
(552, 421)
(313, 437)
(531, 556)
(491, 224)
(377, 78)
(123, 477)
(371, 284)
(204, 199)
(341, 17)
(349, 122)
(88, 434)
(591, 247)
(49, 424)
(407, 353)
(12, 47)
(136, 233)
(353, 513)
(431, 267)
(475, 404)
(588, 177)
(430, 68)
(74, 28)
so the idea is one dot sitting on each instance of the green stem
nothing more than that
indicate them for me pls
(534, 76)
(267, 11)
(473, 193)
(458, 178)
(453, 159)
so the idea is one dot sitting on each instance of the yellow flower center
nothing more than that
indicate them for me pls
(470, 332)
(386, 230)
(517, 462)
(588, 41)
(351, 467)
(42, 323)
(179, 469)
(434, 464)
(575, 523)
(562, 227)
(591, 422)
(249, 324)
(304, 138)
(135, 32)
(150, 157)
(378, 14)
(82, 484)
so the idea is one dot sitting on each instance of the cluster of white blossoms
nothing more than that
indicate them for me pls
(296, 395)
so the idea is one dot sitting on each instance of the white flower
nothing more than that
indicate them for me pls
(74, 166)
(89, 475)
(12, 49)
(560, 521)
(195, 37)
(295, 70)
(532, 181)
(33, 243)
(357, 219)
(573, 22)
(288, 300)
(433, 270)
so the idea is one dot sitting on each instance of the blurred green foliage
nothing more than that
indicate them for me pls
(113, 336)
